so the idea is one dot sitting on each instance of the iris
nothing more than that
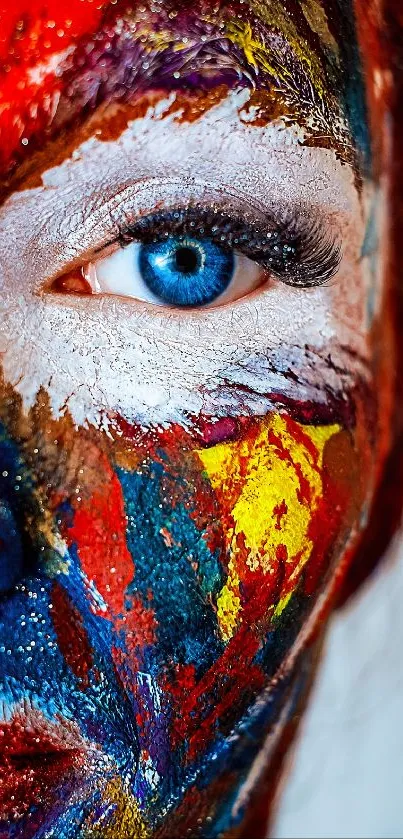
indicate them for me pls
(185, 271)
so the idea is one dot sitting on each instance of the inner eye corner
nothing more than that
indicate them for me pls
(71, 282)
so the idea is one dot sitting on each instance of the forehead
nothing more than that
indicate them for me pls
(62, 61)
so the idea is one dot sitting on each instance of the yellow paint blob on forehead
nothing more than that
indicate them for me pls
(278, 18)
(273, 486)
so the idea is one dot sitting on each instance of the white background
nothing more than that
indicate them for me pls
(346, 776)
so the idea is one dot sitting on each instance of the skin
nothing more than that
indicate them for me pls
(328, 318)
(190, 486)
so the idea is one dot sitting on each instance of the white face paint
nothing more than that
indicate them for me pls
(96, 356)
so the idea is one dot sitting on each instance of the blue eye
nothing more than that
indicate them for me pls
(185, 271)
(192, 257)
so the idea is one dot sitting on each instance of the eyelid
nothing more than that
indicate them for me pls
(101, 230)
(296, 251)
(100, 223)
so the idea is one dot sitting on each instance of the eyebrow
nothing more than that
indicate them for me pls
(285, 52)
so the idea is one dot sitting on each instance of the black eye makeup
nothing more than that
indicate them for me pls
(296, 250)
(195, 256)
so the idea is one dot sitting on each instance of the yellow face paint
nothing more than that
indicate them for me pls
(126, 822)
(261, 55)
(270, 488)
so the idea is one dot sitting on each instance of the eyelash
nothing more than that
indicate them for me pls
(297, 251)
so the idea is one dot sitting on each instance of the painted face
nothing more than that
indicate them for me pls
(195, 399)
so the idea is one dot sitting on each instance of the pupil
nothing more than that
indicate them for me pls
(187, 260)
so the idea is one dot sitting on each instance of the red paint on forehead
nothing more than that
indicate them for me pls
(27, 25)
(31, 33)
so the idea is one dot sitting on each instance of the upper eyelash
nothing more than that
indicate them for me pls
(296, 251)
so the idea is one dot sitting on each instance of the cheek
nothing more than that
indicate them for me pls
(193, 565)
(204, 558)
(288, 496)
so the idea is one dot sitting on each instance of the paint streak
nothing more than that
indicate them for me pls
(71, 634)
(35, 757)
(126, 820)
(279, 470)
(98, 529)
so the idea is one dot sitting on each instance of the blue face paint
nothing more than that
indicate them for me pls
(181, 597)
(11, 554)
(186, 271)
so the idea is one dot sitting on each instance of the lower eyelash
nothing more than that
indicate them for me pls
(296, 251)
